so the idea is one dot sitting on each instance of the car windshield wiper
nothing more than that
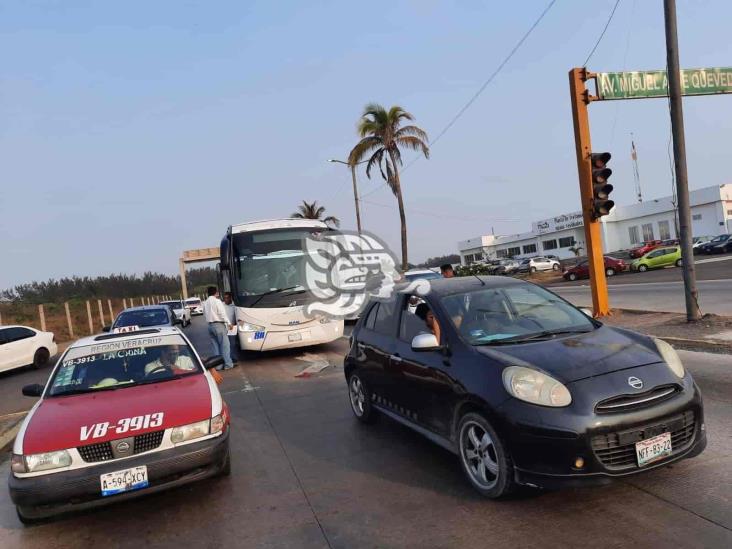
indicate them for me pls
(277, 291)
(91, 390)
(546, 334)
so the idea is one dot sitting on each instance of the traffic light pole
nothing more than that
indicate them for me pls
(593, 238)
(682, 183)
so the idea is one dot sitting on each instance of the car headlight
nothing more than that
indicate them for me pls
(535, 387)
(190, 431)
(249, 327)
(217, 424)
(46, 461)
(670, 357)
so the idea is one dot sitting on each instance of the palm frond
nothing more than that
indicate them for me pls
(412, 130)
(332, 220)
(362, 148)
(396, 113)
(414, 143)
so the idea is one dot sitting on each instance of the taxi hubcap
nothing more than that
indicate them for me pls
(479, 455)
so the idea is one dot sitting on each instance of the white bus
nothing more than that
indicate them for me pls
(263, 266)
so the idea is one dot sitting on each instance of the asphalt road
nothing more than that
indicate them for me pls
(661, 290)
(306, 474)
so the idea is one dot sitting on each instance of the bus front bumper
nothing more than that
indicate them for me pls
(313, 334)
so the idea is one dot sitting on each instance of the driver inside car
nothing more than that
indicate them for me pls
(423, 311)
(171, 360)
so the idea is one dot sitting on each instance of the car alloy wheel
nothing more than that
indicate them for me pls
(679, 262)
(555, 267)
(532, 269)
(483, 457)
(360, 399)
(572, 277)
(642, 268)
(609, 271)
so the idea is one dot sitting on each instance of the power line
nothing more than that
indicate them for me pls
(615, 7)
(480, 90)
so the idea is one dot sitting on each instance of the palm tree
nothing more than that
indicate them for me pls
(382, 136)
(311, 210)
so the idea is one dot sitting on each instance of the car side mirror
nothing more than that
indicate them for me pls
(106, 328)
(425, 342)
(213, 362)
(587, 311)
(33, 390)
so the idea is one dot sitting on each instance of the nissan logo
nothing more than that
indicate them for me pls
(123, 447)
(635, 382)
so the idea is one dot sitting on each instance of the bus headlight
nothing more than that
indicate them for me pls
(249, 327)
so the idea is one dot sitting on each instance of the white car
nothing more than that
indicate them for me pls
(21, 345)
(540, 263)
(194, 305)
(417, 274)
(181, 312)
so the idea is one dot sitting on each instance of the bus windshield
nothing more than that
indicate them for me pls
(269, 268)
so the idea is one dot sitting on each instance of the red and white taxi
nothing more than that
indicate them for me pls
(121, 415)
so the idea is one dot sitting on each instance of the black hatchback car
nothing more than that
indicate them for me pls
(522, 386)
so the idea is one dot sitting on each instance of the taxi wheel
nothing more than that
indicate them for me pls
(41, 357)
(226, 468)
(484, 459)
(360, 399)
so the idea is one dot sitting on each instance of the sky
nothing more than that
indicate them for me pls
(130, 131)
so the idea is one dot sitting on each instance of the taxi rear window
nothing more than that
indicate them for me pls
(112, 365)
(150, 317)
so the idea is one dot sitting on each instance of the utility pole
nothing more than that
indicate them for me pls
(682, 183)
(355, 188)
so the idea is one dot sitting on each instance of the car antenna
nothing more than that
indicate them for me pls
(479, 280)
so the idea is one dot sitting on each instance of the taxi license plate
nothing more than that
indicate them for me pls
(294, 337)
(652, 449)
(125, 480)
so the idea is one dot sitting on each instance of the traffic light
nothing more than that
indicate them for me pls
(601, 189)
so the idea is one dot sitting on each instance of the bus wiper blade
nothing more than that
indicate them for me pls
(275, 291)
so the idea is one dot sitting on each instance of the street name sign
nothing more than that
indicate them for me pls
(644, 84)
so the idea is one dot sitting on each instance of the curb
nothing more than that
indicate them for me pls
(699, 345)
(8, 436)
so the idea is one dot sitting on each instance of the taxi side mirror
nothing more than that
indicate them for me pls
(426, 342)
(33, 390)
(213, 362)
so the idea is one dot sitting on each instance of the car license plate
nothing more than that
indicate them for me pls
(125, 480)
(652, 449)
(294, 337)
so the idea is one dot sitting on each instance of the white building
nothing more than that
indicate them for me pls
(625, 227)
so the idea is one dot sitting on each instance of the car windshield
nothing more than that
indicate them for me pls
(721, 238)
(110, 364)
(512, 314)
(142, 318)
(422, 276)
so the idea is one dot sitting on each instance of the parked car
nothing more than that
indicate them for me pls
(541, 263)
(23, 345)
(194, 305)
(644, 248)
(699, 242)
(582, 269)
(122, 415)
(718, 244)
(182, 312)
(506, 267)
(146, 316)
(416, 274)
(522, 386)
(670, 242)
(658, 258)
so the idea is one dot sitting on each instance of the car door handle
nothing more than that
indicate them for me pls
(395, 358)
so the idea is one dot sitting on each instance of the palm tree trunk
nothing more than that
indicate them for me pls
(402, 215)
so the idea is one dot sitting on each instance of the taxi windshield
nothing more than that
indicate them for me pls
(114, 364)
(513, 314)
(142, 318)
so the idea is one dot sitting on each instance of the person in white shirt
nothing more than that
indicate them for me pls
(170, 360)
(214, 312)
(231, 314)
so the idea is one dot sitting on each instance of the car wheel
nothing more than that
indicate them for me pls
(41, 357)
(555, 267)
(226, 467)
(679, 262)
(484, 459)
(642, 268)
(572, 277)
(609, 271)
(532, 270)
(360, 398)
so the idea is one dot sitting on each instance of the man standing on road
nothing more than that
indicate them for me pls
(447, 270)
(214, 312)
(231, 315)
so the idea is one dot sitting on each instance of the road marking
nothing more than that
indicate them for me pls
(712, 259)
(14, 414)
